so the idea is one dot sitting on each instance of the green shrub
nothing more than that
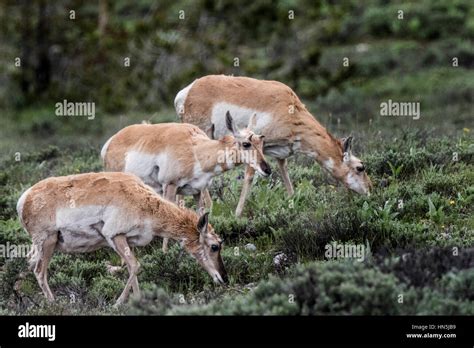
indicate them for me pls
(424, 267)
(336, 288)
(105, 289)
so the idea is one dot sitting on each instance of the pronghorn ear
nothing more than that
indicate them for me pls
(202, 223)
(210, 131)
(229, 122)
(347, 144)
(252, 122)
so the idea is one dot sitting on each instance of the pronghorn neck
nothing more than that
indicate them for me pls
(228, 146)
(170, 221)
(212, 155)
(318, 143)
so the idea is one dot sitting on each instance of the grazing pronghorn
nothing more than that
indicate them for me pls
(281, 117)
(82, 213)
(177, 158)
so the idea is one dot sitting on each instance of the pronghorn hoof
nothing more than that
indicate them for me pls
(118, 303)
(113, 269)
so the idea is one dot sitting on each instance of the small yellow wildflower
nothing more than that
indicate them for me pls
(466, 130)
(451, 202)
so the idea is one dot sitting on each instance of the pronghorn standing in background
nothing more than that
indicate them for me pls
(82, 213)
(177, 158)
(281, 117)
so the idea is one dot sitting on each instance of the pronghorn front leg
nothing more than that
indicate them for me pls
(249, 174)
(169, 191)
(282, 164)
(123, 249)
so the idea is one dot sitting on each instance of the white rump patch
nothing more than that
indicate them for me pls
(21, 203)
(241, 118)
(103, 152)
(180, 100)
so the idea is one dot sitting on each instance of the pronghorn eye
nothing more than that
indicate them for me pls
(246, 145)
(214, 247)
(360, 169)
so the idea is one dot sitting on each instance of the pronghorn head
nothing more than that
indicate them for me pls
(249, 145)
(352, 170)
(207, 250)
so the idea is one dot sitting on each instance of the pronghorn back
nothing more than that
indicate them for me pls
(152, 138)
(207, 99)
(39, 204)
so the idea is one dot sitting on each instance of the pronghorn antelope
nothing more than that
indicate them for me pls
(177, 158)
(281, 117)
(82, 213)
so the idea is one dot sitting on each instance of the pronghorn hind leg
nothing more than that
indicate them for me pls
(282, 165)
(165, 245)
(180, 200)
(203, 201)
(41, 269)
(135, 287)
(123, 249)
(206, 199)
(197, 201)
(249, 174)
(169, 192)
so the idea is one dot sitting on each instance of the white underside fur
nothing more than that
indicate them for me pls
(88, 228)
(240, 115)
(157, 170)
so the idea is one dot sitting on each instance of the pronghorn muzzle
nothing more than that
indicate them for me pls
(265, 168)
